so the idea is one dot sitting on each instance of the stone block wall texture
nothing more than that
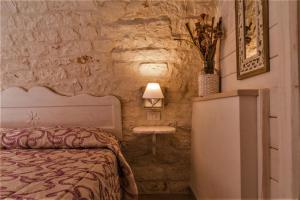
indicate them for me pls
(113, 48)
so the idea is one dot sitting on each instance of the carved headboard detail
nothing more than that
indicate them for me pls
(40, 106)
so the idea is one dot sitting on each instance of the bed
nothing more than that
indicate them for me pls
(58, 147)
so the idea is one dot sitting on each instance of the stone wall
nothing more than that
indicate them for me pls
(112, 48)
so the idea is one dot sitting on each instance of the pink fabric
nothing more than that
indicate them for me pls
(19, 145)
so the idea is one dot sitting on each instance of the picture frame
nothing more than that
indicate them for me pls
(252, 38)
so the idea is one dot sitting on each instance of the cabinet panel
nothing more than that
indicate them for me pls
(224, 151)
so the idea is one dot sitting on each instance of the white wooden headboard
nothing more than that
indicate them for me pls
(40, 106)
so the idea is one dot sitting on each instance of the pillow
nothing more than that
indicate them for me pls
(55, 137)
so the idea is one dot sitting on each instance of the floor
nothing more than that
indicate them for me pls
(166, 197)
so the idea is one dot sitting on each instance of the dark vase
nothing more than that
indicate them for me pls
(209, 67)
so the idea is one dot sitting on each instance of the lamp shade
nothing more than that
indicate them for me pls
(153, 91)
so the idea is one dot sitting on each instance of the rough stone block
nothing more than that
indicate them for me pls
(71, 19)
(78, 70)
(7, 23)
(36, 49)
(8, 7)
(177, 172)
(68, 34)
(150, 187)
(51, 74)
(152, 9)
(179, 187)
(88, 32)
(153, 69)
(15, 65)
(196, 8)
(156, 29)
(51, 36)
(88, 5)
(110, 11)
(150, 172)
(181, 140)
(15, 52)
(30, 7)
(75, 48)
(6, 40)
(26, 22)
(62, 5)
(143, 55)
(51, 20)
(103, 45)
(89, 18)
(18, 77)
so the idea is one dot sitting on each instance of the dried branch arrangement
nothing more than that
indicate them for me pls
(206, 39)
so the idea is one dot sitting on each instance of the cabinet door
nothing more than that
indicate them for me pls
(216, 148)
(219, 147)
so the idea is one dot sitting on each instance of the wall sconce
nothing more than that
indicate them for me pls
(153, 96)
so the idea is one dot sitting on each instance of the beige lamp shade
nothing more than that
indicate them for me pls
(153, 91)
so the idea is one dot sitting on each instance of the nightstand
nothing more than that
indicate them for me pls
(153, 130)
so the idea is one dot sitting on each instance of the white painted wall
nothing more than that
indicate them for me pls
(282, 19)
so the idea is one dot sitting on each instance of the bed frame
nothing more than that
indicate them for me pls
(40, 106)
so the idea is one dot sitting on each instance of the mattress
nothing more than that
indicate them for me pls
(60, 164)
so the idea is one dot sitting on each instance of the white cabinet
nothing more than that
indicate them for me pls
(224, 146)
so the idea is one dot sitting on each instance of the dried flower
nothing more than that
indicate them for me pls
(206, 39)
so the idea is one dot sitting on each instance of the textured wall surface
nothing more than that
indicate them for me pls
(112, 47)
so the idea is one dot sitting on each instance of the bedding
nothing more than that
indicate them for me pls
(63, 163)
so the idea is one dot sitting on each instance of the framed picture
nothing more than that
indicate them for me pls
(252, 38)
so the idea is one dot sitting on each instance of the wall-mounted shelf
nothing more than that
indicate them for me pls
(153, 130)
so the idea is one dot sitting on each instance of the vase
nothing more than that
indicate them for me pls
(208, 83)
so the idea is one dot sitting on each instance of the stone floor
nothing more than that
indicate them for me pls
(166, 197)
